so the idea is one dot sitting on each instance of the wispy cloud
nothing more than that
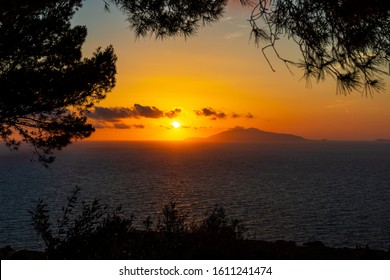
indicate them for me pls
(218, 115)
(117, 125)
(122, 126)
(233, 35)
(128, 126)
(246, 26)
(111, 114)
(236, 116)
(227, 19)
(185, 127)
(339, 105)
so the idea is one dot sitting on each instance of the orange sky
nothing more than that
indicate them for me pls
(216, 81)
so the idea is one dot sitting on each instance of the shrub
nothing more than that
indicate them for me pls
(95, 232)
(218, 224)
(172, 220)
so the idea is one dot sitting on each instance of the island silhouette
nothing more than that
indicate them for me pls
(248, 135)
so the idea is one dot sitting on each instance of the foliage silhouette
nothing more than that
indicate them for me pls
(172, 220)
(46, 85)
(91, 232)
(216, 223)
(348, 40)
(167, 18)
(95, 232)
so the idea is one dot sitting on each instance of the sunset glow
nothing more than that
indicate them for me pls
(176, 124)
(190, 130)
(215, 81)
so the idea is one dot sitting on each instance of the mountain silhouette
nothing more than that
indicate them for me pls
(249, 135)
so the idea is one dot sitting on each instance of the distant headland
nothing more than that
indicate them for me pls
(382, 140)
(248, 135)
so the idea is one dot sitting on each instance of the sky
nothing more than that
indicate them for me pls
(215, 81)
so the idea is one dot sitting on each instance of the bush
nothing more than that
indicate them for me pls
(92, 234)
(95, 232)
(218, 224)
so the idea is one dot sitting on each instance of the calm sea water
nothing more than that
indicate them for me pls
(335, 192)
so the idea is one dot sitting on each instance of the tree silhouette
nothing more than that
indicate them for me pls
(46, 86)
(348, 40)
(167, 18)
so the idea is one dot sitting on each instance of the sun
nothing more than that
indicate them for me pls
(176, 124)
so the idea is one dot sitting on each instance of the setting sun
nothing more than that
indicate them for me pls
(176, 124)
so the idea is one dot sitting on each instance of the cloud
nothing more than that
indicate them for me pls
(227, 19)
(117, 125)
(147, 111)
(215, 115)
(98, 124)
(233, 35)
(210, 112)
(184, 127)
(340, 106)
(122, 126)
(111, 117)
(236, 116)
(111, 114)
(127, 126)
(173, 113)
(247, 26)
(114, 114)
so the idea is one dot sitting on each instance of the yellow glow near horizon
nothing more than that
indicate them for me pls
(176, 124)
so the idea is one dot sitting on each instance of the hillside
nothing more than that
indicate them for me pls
(249, 135)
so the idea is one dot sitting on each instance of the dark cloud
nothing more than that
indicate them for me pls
(217, 115)
(147, 111)
(173, 113)
(122, 126)
(206, 112)
(166, 126)
(210, 112)
(248, 116)
(113, 114)
(110, 117)
(118, 125)
(99, 125)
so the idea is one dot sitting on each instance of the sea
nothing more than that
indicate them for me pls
(334, 192)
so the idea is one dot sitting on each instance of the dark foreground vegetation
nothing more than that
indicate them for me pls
(95, 232)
